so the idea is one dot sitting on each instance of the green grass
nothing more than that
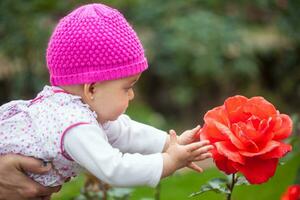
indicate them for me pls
(70, 189)
(180, 186)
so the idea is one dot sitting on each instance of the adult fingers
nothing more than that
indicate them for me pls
(34, 189)
(46, 197)
(195, 167)
(47, 191)
(33, 165)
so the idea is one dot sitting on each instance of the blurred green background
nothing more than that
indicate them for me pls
(199, 51)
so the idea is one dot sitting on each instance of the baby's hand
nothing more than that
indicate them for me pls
(178, 156)
(188, 136)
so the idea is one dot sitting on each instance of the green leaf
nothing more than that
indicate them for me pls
(218, 185)
(204, 188)
(241, 180)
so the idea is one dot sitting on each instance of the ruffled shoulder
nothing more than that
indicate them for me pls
(63, 98)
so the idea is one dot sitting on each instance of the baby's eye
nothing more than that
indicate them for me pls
(128, 88)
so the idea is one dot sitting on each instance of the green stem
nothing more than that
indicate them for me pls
(233, 181)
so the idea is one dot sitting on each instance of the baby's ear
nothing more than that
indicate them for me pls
(89, 90)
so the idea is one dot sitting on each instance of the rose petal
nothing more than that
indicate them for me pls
(233, 106)
(277, 152)
(265, 131)
(211, 133)
(217, 114)
(248, 131)
(254, 121)
(241, 131)
(269, 147)
(258, 171)
(228, 150)
(292, 193)
(223, 163)
(283, 130)
(226, 131)
(259, 107)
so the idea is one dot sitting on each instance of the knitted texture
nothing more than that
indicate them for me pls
(93, 43)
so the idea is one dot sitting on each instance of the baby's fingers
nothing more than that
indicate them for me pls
(195, 130)
(202, 157)
(195, 167)
(194, 146)
(202, 150)
(173, 137)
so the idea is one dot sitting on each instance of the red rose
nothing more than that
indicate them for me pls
(247, 134)
(292, 193)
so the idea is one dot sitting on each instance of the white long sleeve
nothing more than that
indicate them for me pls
(88, 146)
(131, 137)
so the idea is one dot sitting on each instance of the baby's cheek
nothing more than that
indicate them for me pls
(124, 108)
(120, 109)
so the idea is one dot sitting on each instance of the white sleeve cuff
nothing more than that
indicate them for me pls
(159, 166)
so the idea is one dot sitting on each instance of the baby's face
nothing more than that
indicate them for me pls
(111, 98)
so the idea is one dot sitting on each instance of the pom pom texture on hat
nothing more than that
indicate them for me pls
(93, 43)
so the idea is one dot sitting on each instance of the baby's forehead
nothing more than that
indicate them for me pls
(133, 78)
(126, 80)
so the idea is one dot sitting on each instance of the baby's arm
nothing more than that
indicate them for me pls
(133, 137)
(88, 146)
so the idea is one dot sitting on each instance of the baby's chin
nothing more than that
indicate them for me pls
(116, 117)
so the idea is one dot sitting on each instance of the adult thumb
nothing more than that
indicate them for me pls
(33, 165)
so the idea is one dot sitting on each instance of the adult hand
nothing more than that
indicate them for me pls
(15, 185)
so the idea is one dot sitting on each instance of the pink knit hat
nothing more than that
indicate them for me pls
(93, 43)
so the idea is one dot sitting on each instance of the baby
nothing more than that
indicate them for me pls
(94, 58)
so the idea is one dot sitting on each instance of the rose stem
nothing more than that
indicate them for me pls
(231, 186)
